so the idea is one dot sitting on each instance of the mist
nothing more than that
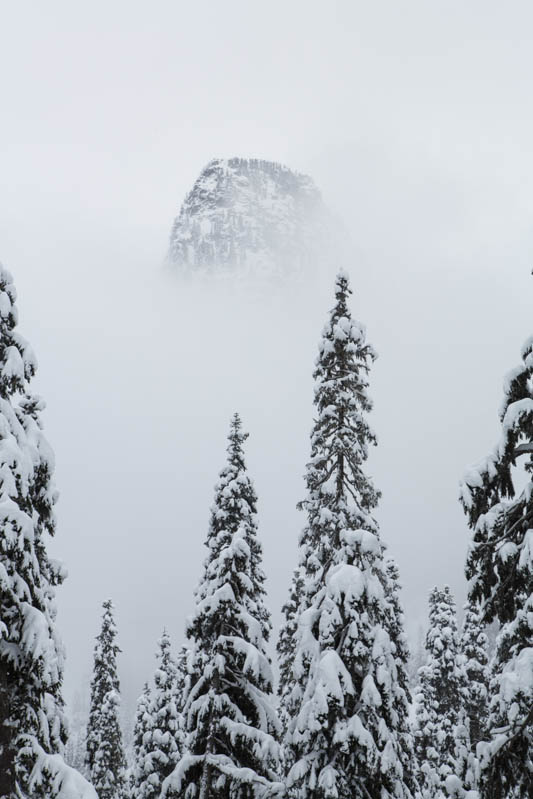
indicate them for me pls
(416, 125)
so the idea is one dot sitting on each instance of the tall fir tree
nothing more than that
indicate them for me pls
(231, 718)
(473, 658)
(401, 691)
(183, 670)
(142, 730)
(500, 570)
(440, 735)
(285, 649)
(32, 722)
(344, 737)
(163, 739)
(474, 647)
(105, 752)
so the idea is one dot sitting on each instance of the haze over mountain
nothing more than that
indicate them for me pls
(253, 217)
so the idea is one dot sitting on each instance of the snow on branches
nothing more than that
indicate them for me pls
(32, 723)
(440, 734)
(231, 719)
(158, 736)
(347, 706)
(500, 569)
(105, 754)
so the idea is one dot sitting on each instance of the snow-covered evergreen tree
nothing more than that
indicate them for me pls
(105, 753)
(344, 737)
(141, 735)
(440, 735)
(285, 648)
(475, 665)
(401, 691)
(500, 570)
(232, 722)
(32, 723)
(182, 683)
(108, 772)
(163, 737)
(473, 660)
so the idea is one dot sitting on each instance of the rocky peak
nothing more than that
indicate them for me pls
(250, 216)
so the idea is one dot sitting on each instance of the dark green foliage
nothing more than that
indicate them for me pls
(441, 744)
(500, 570)
(342, 642)
(105, 754)
(232, 723)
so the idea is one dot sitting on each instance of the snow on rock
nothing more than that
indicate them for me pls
(250, 216)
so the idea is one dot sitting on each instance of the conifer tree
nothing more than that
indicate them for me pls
(401, 691)
(285, 649)
(163, 742)
(500, 570)
(232, 723)
(475, 665)
(32, 723)
(344, 737)
(440, 735)
(473, 659)
(141, 736)
(182, 683)
(105, 753)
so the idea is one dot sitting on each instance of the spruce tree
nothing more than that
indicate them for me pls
(344, 737)
(440, 744)
(163, 740)
(473, 658)
(475, 664)
(285, 650)
(32, 722)
(105, 753)
(142, 730)
(500, 570)
(232, 723)
(401, 690)
(182, 683)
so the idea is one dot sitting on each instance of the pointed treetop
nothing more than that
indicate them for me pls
(342, 286)
(164, 645)
(105, 640)
(342, 293)
(17, 361)
(236, 439)
(108, 619)
(343, 348)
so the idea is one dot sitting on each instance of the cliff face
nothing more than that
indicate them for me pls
(249, 216)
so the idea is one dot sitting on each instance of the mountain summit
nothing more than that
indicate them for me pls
(249, 216)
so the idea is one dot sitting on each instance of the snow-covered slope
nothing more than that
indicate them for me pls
(250, 216)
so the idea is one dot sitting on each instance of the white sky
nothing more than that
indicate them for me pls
(415, 119)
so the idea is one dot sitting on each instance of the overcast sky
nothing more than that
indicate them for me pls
(415, 120)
